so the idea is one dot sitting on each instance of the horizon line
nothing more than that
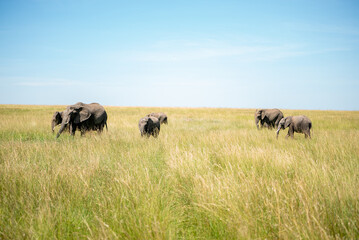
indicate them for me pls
(244, 108)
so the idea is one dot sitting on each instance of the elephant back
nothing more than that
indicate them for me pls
(160, 116)
(155, 121)
(98, 112)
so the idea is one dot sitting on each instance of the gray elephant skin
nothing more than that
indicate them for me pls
(299, 124)
(268, 118)
(84, 117)
(149, 126)
(160, 116)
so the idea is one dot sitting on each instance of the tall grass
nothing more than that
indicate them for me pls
(209, 175)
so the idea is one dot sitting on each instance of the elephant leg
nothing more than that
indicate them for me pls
(100, 129)
(155, 133)
(290, 132)
(146, 134)
(277, 123)
(82, 129)
(307, 134)
(72, 129)
(264, 125)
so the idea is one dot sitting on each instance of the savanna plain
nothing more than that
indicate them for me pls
(209, 175)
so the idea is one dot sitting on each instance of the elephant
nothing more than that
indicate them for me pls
(56, 120)
(299, 124)
(268, 118)
(149, 126)
(160, 116)
(84, 117)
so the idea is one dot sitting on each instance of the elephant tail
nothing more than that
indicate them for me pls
(106, 126)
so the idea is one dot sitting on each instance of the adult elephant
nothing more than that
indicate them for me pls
(149, 126)
(268, 117)
(299, 124)
(84, 117)
(160, 116)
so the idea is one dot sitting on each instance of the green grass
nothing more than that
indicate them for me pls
(209, 175)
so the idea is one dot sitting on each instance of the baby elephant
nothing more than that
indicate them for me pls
(149, 126)
(56, 120)
(299, 124)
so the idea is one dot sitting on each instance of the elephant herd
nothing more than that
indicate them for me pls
(93, 116)
(151, 124)
(274, 118)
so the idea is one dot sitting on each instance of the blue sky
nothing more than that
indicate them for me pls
(240, 54)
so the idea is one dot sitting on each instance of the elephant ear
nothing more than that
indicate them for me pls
(263, 115)
(288, 121)
(83, 115)
(58, 117)
(145, 126)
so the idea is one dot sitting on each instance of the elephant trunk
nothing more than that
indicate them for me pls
(53, 126)
(63, 125)
(257, 121)
(278, 131)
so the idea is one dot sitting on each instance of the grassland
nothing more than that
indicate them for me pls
(209, 175)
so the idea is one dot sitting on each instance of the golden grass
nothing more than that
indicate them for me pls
(209, 175)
